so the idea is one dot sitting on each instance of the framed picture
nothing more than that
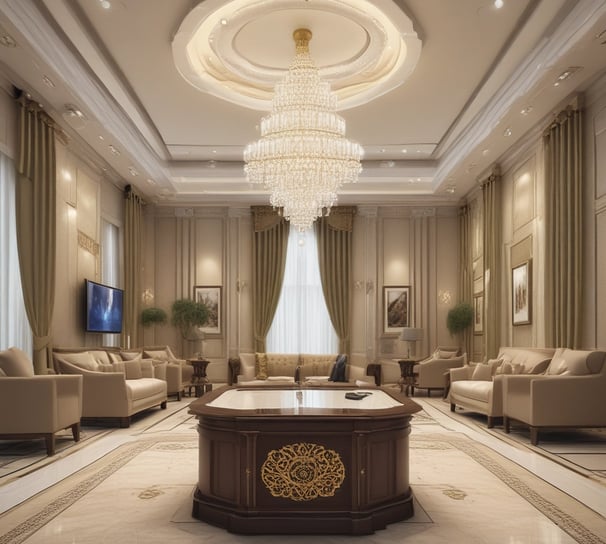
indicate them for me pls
(211, 297)
(478, 313)
(521, 295)
(396, 308)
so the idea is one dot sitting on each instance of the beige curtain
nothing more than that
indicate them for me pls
(465, 269)
(270, 242)
(334, 234)
(36, 224)
(133, 218)
(563, 170)
(491, 230)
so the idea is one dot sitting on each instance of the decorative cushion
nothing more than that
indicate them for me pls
(161, 355)
(569, 361)
(15, 363)
(482, 372)
(114, 357)
(130, 355)
(100, 356)
(82, 360)
(445, 354)
(261, 366)
(338, 370)
(247, 366)
(506, 368)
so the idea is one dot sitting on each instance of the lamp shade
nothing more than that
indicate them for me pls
(411, 334)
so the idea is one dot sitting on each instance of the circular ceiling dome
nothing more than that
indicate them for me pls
(238, 50)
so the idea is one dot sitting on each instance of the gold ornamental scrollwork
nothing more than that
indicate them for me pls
(303, 472)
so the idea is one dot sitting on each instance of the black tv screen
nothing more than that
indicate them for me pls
(103, 308)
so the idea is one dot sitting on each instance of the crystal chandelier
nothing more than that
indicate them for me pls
(303, 156)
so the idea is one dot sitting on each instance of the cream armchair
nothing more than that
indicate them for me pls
(36, 406)
(430, 373)
(569, 394)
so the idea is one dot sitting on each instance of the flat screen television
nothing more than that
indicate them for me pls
(103, 308)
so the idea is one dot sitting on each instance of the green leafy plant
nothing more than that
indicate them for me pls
(459, 318)
(153, 316)
(188, 315)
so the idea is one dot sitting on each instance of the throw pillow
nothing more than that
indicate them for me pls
(161, 355)
(506, 368)
(16, 363)
(482, 372)
(114, 357)
(130, 355)
(247, 367)
(576, 362)
(445, 354)
(261, 366)
(82, 360)
(100, 356)
(338, 370)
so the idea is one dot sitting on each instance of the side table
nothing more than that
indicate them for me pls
(407, 381)
(199, 381)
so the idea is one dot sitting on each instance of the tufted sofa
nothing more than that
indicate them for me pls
(112, 387)
(569, 394)
(478, 387)
(286, 368)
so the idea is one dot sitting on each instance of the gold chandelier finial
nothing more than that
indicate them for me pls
(302, 37)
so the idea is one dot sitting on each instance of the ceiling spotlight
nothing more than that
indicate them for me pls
(105, 4)
(485, 152)
(498, 4)
(133, 171)
(451, 189)
(566, 74)
(404, 150)
(223, 21)
(151, 181)
(526, 110)
(507, 132)
(73, 111)
(114, 150)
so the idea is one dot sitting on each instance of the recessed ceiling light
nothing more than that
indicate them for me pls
(151, 181)
(418, 179)
(114, 150)
(133, 171)
(383, 150)
(498, 4)
(223, 21)
(485, 152)
(73, 111)
(404, 150)
(526, 110)
(507, 132)
(105, 4)
(566, 74)
(101, 137)
(451, 189)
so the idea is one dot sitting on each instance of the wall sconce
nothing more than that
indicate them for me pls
(444, 296)
(241, 285)
(147, 297)
(368, 285)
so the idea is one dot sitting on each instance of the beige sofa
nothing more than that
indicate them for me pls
(478, 387)
(293, 369)
(569, 394)
(113, 388)
(36, 406)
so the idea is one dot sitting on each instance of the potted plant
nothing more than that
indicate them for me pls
(459, 318)
(188, 316)
(153, 316)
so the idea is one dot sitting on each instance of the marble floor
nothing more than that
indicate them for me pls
(470, 485)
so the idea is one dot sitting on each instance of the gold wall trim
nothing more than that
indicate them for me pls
(303, 472)
(87, 243)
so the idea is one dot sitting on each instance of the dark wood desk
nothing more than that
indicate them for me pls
(302, 461)
(199, 380)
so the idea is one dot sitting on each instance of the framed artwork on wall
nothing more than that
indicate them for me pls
(521, 295)
(211, 297)
(396, 308)
(478, 313)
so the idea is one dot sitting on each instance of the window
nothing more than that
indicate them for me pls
(302, 323)
(14, 325)
(110, 266)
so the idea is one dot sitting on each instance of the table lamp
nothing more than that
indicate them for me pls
(411, 335)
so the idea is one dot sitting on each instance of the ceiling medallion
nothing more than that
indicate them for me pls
(235, 50)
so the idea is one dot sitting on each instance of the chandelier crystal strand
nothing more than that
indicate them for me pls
(303, 157)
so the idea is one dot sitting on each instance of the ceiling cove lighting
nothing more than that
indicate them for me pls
(303, 156)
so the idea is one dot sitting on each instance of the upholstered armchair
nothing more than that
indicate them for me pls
(430, 373)
(36, 406)
(569, 394)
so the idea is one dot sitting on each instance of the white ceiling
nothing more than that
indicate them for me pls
(441, 128)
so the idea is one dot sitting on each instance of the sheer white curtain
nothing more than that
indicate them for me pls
(302, 323)
(110, 266)
(14, 326)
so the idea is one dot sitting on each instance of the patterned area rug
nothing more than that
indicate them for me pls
(581, 450)
(141, 491)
